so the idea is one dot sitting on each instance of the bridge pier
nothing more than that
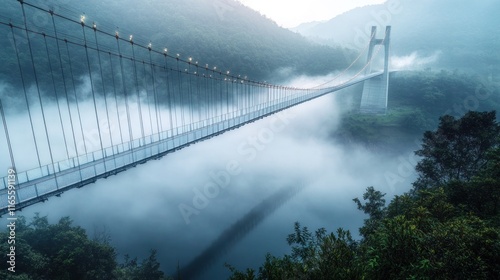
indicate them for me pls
(376, 89)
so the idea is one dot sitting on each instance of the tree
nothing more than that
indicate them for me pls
(448, 227)
(457, 150)
(315, 255)
(421, 243)
(70, 253)
(338, 257)
(375, 208)
(64, 251)
(148, 269)
(482, 194)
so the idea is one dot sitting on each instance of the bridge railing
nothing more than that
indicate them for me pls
(114, 157)
(59, 166)
(103, 56)
(55, 178)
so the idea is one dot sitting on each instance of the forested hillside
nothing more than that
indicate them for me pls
(447, 35)
(445, 227)
(416, 100)
(220, 33)
(223, 33)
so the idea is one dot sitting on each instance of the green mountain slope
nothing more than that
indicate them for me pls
(220, 33)
(416, 100)
(462, 35)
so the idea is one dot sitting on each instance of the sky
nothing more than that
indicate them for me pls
(289, 14)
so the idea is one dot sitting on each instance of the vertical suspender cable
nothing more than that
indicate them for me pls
(279, 94)
(248, 95)
(115, 97)
(56, 95)
(37, 86)
(241, 95)
(201, 101)
(64, 82)
(76, 99)
(190, 94)
(130, 134)
(243, 87)
(6, 130)
(214, 86)
(252, 96)
(243, 91)
(208, 93)
(94, 27)
(11, 153)
(66, 95)
(92, 87)
(236, 97)
(148, 98)
(58, 107)
(258, 95)
(137, 90)
(221, 93)
(155, 95)
(233, 100)
(169, 95)
(226, 81)
(286, 95)
(181, 99)
(25, 94)
(275, 95)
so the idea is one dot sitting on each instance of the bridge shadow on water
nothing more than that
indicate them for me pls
(241, 228)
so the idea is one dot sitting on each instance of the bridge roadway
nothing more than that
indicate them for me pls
(37, 185)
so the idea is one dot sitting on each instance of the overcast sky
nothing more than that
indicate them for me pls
(292, 13)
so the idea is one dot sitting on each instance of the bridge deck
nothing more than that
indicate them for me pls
(39, 184)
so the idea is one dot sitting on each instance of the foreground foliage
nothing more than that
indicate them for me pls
(64, 251)
(446, 227)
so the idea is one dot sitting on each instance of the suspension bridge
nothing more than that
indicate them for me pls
(93, 102)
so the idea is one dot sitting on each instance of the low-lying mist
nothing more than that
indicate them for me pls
(180, 204)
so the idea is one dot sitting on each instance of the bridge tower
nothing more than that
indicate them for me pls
(376, 89)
